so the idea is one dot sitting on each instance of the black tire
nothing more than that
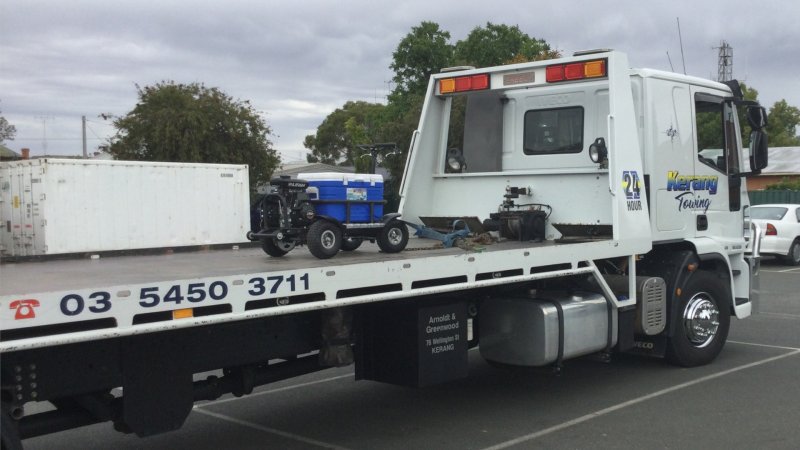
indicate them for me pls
(393, 237)
(350, 244)
(324, 239)
(702, 321)
(276, 248)
(793, 257)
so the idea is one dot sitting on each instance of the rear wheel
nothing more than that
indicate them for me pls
(793, 257)
(393, 237)
(350, 244)
(702, 322)
(324, 239)
(276, 248)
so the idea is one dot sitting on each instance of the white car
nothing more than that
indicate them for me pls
(781, 227)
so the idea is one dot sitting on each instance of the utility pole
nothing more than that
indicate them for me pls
(83, 128)
(725, 62)
(44, 120)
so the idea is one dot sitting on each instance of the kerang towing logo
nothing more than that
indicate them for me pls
(24, 309)
(693, 190)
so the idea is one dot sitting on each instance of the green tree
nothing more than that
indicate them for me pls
(497, 44)
(192, 123)
(7, 131)
(422, 52)
(782, 125)
(338, 135)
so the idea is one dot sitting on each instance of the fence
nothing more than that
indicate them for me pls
(764, 197)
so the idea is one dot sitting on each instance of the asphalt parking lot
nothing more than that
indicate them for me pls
(748, 398)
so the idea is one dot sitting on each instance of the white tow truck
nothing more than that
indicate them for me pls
(619, 221)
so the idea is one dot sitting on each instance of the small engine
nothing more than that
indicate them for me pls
(287, 204)
(522, 222)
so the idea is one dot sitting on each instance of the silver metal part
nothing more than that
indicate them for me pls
(701, 320)
(525, 331)
(394, 236)
(363, 225)
(651, 301)
(652, 307)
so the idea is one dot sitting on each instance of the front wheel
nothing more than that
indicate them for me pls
(702, 323)
(393, 237)
(324, 239)
(793, 257)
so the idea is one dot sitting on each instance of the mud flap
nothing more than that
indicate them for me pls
(157, 385)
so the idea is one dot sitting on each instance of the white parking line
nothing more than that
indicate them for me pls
(796, 269)
(256, 426)
(603, 412)
(781, 315)
(763, 345)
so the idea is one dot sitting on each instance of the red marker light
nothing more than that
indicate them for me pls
(463, 84)
(573, 71)
(480, 82)
(555, 73)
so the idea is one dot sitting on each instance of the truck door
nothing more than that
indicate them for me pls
(712, 193)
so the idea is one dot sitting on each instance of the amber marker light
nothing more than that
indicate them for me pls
(594, 69)
(187, 313)
(447, 86)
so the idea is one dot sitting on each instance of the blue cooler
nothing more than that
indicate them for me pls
(346, 187)
(375, 194)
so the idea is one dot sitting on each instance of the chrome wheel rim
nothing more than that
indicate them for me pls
(328, 239)
(795, 255)
(701, 320)
(395, 236)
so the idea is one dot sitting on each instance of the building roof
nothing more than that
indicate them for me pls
(783, 161)
(7, 153)
(292, 169)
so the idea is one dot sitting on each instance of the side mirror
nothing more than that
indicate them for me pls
(759, 155)
(757, 117)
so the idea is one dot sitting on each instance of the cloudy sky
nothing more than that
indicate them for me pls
(297, 61)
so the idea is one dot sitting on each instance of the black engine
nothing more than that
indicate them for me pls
(286, 205)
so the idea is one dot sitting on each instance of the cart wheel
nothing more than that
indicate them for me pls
(324, 239)
(393, 237)
(276, 248)
(350, 244)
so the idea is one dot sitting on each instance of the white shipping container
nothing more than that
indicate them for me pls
(55, 206)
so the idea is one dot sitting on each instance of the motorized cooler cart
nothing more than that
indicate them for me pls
(327, 212)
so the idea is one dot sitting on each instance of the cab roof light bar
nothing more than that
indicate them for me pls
(576, 71)
(467, 83)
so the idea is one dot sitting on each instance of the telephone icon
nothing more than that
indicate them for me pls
(25, 308)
